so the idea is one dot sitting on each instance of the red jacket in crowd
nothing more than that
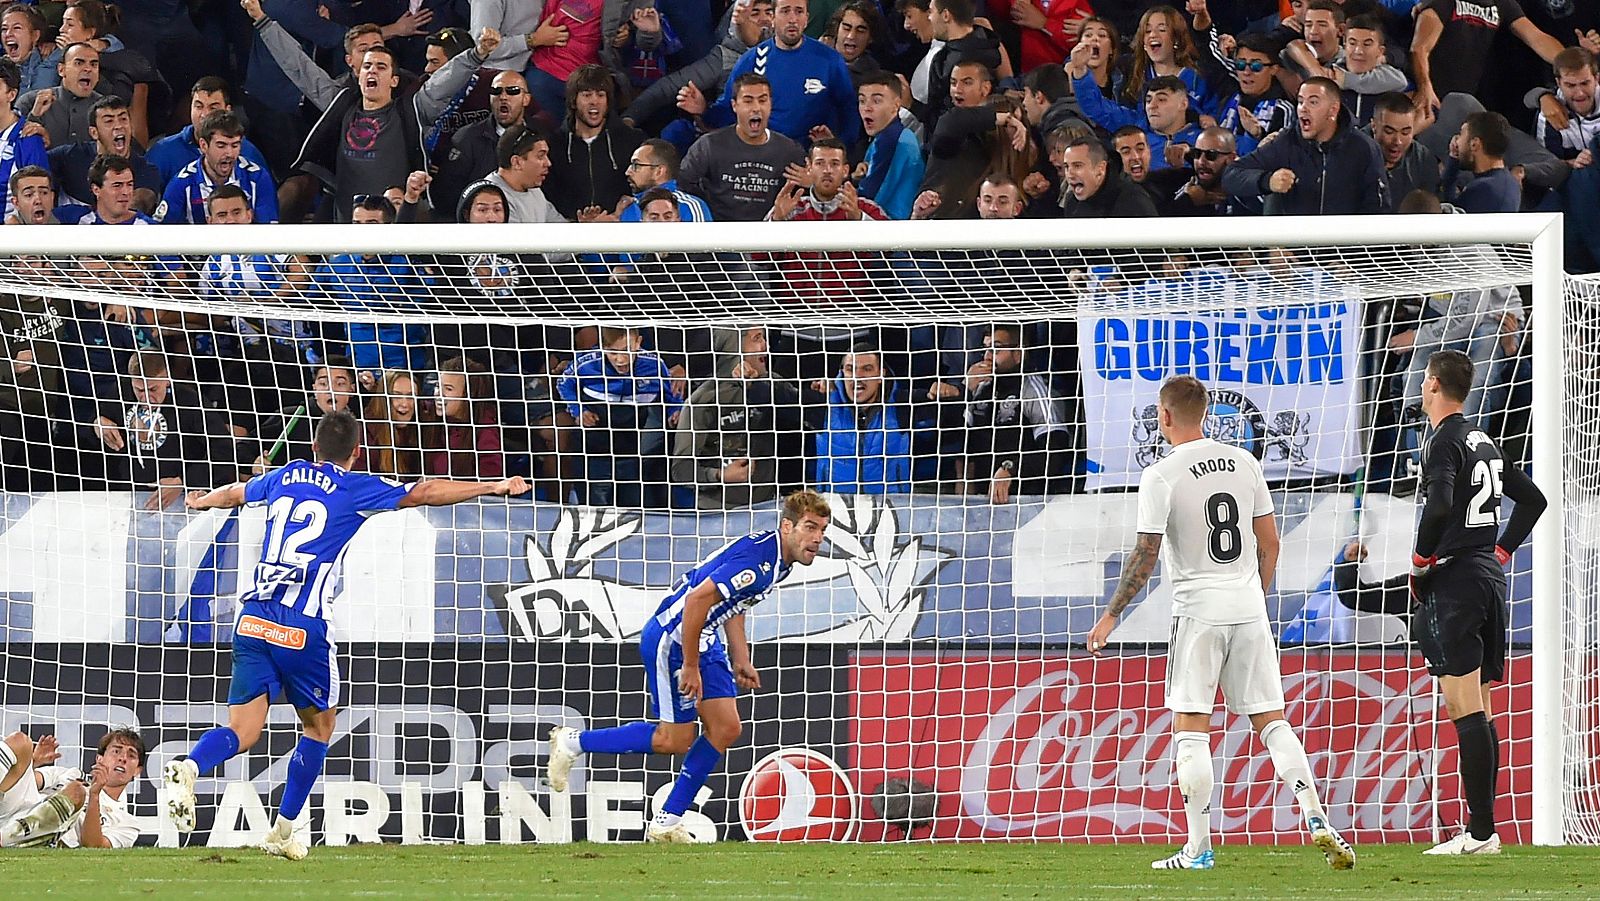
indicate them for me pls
(810, 274)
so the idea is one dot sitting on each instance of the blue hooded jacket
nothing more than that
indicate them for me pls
(876, 460)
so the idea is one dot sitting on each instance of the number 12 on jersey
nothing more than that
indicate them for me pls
(282, 559)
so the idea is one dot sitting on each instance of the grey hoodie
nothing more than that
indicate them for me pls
(1419, 168)
(728, 418)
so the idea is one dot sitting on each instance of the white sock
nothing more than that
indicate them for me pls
(52, 815)
(668, 820)
(1192, 753)
(571, 741)
(282, 828)
(1289, 759)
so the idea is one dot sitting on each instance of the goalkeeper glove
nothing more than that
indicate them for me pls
(1420, 568)
(1502, 555)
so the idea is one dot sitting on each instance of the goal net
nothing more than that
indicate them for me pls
(977, 418)
(1580, 607)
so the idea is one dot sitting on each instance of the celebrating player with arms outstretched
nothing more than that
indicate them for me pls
(1458, 578)
(1198, 498)
(283, 638)
(687, 666)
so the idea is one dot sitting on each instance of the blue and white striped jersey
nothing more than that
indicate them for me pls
(185, 200)
(313, 511)
(690, 207)
(79, 214)
(591, 379)
(744, 570)
(256, 276)
(16, 152)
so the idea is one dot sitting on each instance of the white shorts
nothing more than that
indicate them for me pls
(20, 798)
(1241, 658)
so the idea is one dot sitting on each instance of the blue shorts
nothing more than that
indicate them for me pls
(275, 648)
(663, 661)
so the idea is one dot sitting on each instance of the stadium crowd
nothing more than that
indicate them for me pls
(686, 111)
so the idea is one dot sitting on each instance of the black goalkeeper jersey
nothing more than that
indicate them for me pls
(1463, 479)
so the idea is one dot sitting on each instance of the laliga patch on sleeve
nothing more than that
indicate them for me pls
(744, 579)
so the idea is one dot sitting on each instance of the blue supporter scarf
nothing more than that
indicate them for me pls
(886, 143)
(430, 141)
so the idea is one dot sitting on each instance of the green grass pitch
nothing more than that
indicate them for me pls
(741, 870)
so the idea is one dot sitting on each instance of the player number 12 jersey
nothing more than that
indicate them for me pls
(313, 512)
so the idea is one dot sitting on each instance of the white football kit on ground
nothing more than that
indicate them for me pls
(28, 791)
(1202, 499)
(21, 798)
(116, 823)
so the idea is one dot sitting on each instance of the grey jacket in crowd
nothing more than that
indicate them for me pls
(67, 119)
(1418, 169)
(320, 88)
(708, 73)
(728, 418)
(1457, 315)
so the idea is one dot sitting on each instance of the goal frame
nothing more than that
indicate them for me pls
(1543, 232)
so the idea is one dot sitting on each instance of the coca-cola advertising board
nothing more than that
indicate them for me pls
(1058, 745)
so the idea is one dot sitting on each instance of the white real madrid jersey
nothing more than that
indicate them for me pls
(1202, 498)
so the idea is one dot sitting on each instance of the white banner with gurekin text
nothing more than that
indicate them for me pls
(1278, 354)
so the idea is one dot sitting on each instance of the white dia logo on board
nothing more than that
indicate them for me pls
(798, 795)
(869, 584)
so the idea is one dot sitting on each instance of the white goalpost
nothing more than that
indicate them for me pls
(971, 398)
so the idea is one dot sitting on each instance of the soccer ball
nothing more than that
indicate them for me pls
(905, 803)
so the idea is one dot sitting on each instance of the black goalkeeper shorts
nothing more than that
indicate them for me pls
(1461, 625)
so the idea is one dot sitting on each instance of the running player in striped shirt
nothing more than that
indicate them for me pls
(283, 639)
(690, 670)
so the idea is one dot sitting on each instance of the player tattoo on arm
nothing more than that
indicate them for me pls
(1268, 545)
(1136, 572)
(92, 836)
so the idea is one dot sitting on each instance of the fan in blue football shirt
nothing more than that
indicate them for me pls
(689, 671)
(221, 162)
(111, 179)
(283, 639)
